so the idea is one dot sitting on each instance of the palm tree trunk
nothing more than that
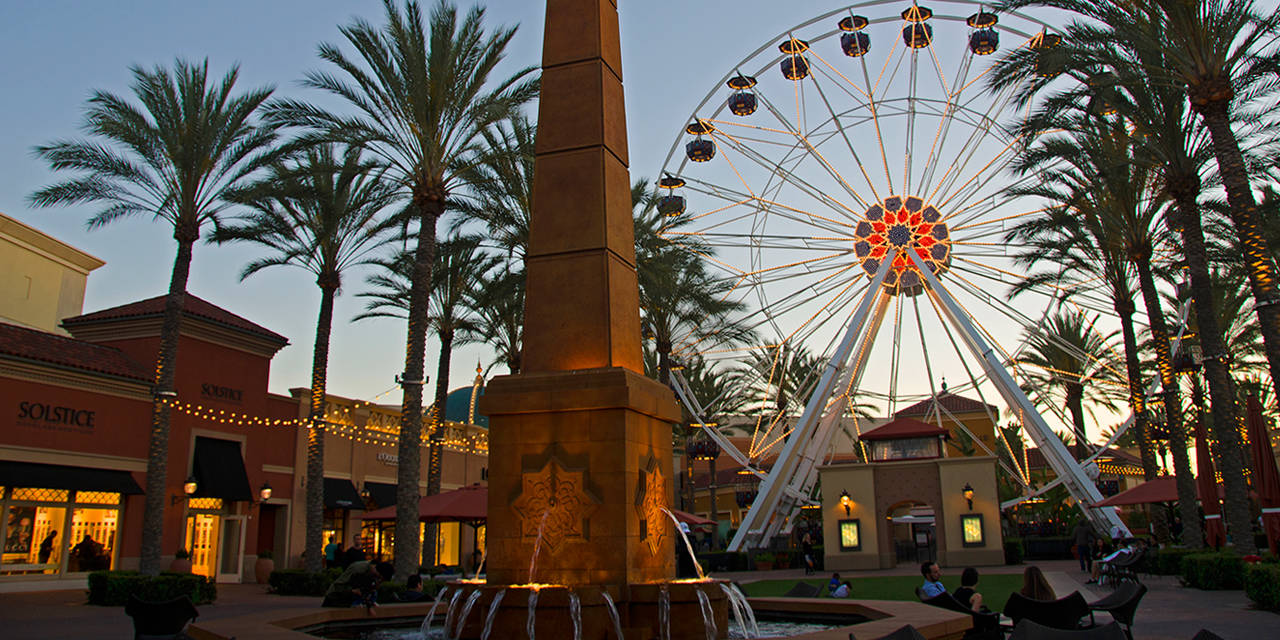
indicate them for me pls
(1075, 404)
(166, 362)
(435, 437)
(409, 444)
(715, 529)
(314, 543)
(1222, 395)
(1141, 427)
(1172, 407)
(1243, 211)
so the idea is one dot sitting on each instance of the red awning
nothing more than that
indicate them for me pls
(1162, 489)
(1266, 478)
(466, 504)
(692, 520)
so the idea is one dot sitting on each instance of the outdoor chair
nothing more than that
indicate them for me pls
(160, 620)
(1205, 634)
(920, 594)
(986, 624)
(1122, 604)
(905, 632)
(803, 590)
(1063, 613)
(1122, 568)
(1029, 630)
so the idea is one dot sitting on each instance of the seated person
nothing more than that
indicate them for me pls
(843, 590)
(932, 580)
(965, 595)
(834, 584)
(1104, 564)
(413, 589)
(358, 585)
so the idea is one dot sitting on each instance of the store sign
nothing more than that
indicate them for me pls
(58, 418)
(390, 459)
(224, 394)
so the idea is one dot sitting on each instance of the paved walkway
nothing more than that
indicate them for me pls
(1169, 611)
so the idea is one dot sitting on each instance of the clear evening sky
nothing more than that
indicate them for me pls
(56, 52)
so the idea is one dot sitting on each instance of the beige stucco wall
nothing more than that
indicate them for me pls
(42, 279)
(859, 481)
(979, 473)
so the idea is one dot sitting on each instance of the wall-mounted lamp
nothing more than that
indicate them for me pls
(265, 491)
(968, 494)
(845, 501)
(188, 488)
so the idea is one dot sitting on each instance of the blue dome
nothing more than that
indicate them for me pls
(457, 406)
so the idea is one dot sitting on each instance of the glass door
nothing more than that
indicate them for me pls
(231, 549)
(202, 543)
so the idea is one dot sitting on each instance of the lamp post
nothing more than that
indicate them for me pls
(846, 502)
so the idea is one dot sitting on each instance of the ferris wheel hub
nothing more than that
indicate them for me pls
(905, 223)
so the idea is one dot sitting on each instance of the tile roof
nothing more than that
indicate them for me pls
(40, 346)
(949, 401)
(904, 428)
(192, 306)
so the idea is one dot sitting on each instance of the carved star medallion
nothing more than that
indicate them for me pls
(651, 499)
(554, 505)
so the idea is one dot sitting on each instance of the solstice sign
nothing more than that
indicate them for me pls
(43, 415)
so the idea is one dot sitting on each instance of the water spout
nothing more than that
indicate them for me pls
(466, 611)
(448, 616)
(537, 544)
(575, 614)
(741, 610)
(483, 555)
(613, 612)
(708, 616)
(493, 613)
(689, 545)
(664, 613)
(533, 606)
(426, 622)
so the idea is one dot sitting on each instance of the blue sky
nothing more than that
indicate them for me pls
(58, 51)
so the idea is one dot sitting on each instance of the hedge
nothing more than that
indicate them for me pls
(1168, 562)
(1045, 548)
(298, 582)
(722, 561)
(1213, 571)
(113, 588)
(1262, 585)
(1013, 551)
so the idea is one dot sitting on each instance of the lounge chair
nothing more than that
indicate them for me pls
(1063, 613)
(905, 632)
(1205, 634)
(1029, 630)
(986, 624)
(1122, 604)
(803, 590)
(160, 620)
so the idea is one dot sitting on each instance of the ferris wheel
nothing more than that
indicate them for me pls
(846, 183)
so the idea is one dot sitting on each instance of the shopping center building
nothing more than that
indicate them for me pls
(75, 416)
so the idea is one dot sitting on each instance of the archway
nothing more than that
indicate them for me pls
(910, 533)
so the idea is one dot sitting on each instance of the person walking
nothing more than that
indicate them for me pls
(46, 547)
(1084, 537)
(806, 546)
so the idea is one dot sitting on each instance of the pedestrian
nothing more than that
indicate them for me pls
(806, 546)
(1084, 537)
(331, 552)
(46, 547)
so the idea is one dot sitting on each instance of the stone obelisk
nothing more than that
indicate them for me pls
(580, 440)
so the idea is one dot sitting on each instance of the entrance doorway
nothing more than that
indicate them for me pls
(913, 532)
(202, 543)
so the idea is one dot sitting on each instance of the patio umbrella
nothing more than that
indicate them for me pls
(693, 521)
(1215, 535)
(1266, 480)
(1162, 489)
(466, 504)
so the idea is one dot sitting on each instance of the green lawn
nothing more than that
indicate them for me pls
(995, 589)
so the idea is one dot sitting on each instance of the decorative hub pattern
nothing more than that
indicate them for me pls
(554, 504)
(905, 224)
(651, 499)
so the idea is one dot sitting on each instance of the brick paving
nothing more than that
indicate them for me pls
(1169, 611)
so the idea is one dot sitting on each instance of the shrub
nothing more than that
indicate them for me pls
(297, 582)
(722, 561)
(181, 554)
(1213, 571)
(1168, 562)
(1262, 585)
(1046, 548)
(764, 557)
(1013, 551)
(113, 588)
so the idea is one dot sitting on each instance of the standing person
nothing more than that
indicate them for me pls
(353, 553)
(806, 546)
(1035, 586)
(1084, 537)
(932, 579)
(331, 551)
(46, 547)
(966, 594)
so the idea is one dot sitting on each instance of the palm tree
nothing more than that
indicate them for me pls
(501, 193)
(174, 158)
(1070, 358)
(422, 99)
(460, 266)
(322, 213)
(500, 311)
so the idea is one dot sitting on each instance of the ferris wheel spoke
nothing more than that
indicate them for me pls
(857, 159)
(980, 130)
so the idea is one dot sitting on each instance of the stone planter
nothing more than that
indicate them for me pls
(262, 569)
(764, 566)
(180, 565)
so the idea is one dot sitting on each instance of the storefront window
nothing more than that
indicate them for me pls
(381, 536)
(335, 526)
(447, 543)
(48, 532)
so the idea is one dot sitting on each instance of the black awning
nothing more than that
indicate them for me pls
(219, 470)
(341, 494)
(382, 494)
(56, 476)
